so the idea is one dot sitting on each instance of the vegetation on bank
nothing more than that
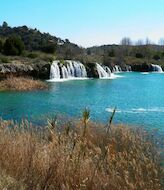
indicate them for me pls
(77, 155)
(21, 84)
(31, 43)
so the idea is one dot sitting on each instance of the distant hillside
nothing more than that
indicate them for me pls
(40, 45)
(34, 40)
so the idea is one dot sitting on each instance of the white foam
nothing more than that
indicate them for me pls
(145, 73)
(112, 109)
(138, 110)
(113, 76)
(66, 79)
(149, 109)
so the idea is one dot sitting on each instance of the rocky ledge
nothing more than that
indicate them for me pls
(39, 71)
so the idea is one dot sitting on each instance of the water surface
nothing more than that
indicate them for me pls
(139, 99)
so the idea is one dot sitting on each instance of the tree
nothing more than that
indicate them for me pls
(67, 41)
(4, 25)
(156, 57)
(147, 50)
(1, 45)
(126, 46)
(139, 42)
(88, 52)
(49, 48)
(13, 46)
(126, 41)
(111, 53)
(139, 55)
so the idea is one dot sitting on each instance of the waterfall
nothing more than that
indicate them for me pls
(157, 68)
(107, 70)
(68, 70)
(55, 71)
(117, 69)
(103, 72)
(128, 68)
(65, 73)
(76, 70)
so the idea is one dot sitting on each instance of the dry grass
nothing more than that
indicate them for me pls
(89, 156)
(21, 84)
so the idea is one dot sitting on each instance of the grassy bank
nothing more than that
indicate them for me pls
(77, 155)
(21, 84)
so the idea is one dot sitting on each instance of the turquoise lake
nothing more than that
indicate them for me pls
(139, 99)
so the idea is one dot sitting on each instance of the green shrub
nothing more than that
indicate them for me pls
(156, 57)
(49, 48)
(48, 58)
(139, 55)
(32, 55)
(13, 46)
(4, 59)
(1, 45)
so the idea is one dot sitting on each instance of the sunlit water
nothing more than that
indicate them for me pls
(139, 99)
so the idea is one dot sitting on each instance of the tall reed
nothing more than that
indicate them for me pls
(86, 156)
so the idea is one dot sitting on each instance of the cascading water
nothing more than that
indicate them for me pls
(65, 73)
(68, 70)
(117, 69)
(157, 68)
(107, 70)
(104, 72)
(101, 71)
(55, 71)
(128, 68)
(74, 69)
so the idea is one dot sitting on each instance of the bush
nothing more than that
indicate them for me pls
(111, 53)
(139, 55)
(48, 58)
(13, 46)
(4, 59)
(49, 48)
(32, 55)
(1, 45)
(156, 57)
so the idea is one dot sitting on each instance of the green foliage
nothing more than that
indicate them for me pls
(49, 48)
(67, 41)
(1, 45)
(88, 52)
(35, 41)
(4, 25)
(48, 58)
(156, 57)
(13, 46)
(4, 59)
(111, 53)
(32, 55)
(139, 55)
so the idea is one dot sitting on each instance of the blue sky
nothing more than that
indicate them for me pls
(88, 22)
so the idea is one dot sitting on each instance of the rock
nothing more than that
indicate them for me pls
(40, 71)
(92, 70)
(141, 67)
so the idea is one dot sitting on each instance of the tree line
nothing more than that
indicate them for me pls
(17, 40)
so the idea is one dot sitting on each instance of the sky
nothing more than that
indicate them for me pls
(88, 22)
